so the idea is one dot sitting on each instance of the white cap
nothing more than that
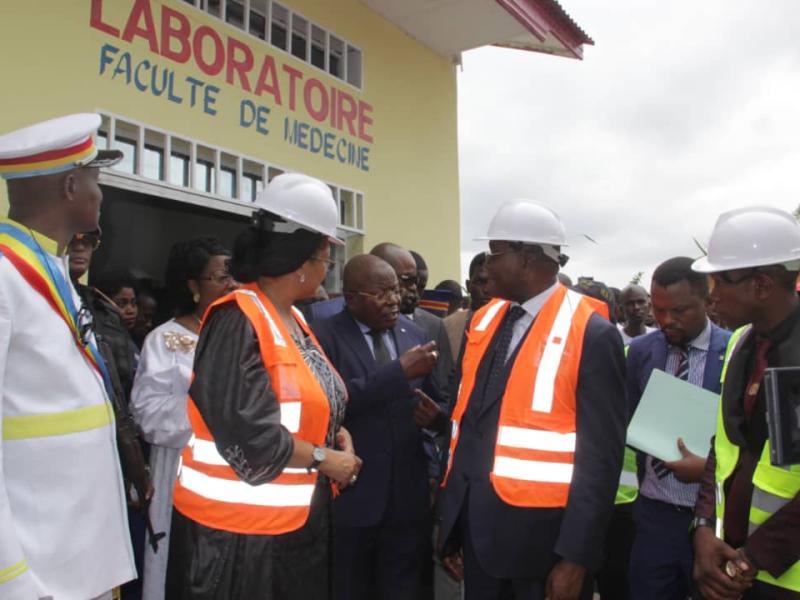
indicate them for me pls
(530, 222)
(54, 146)
(752, 237)
(305, 202)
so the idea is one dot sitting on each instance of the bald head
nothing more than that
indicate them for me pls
(405, 267)
(370, 289)
(393, 254)
(633, 290)
(362, 269)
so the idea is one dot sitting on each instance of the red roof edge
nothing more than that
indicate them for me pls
(541, 17)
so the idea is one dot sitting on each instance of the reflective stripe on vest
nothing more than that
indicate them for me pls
(536, 436)
(12, 572)
(208, 490)
(23, 427)
(206, 452)
(773, 486)
(628, 488)
(239, 492)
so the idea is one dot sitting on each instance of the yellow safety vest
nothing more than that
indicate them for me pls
(773, 487)
(628, 488)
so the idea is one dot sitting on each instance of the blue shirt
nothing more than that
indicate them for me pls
(669, 489)
(386, 334)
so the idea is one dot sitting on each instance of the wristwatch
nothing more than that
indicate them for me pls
(317, 456)
(701, 522)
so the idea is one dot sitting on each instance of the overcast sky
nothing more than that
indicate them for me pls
(681, 110)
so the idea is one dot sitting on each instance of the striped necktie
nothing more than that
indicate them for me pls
(681, 372)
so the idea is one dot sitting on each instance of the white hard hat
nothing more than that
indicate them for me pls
(526, 221)
(305, 202)
(752, 237)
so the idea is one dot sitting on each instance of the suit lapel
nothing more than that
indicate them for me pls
(714, 359)
(657, 359)
(352, 336)
(402, 339)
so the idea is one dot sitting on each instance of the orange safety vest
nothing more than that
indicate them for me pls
(207, 489)
(535, 447)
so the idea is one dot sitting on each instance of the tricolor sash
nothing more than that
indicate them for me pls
(44, 275)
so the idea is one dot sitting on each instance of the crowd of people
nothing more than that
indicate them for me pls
(239, 434)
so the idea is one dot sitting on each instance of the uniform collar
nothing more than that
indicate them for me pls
(48, 245)
(532, 306)
(703, 339)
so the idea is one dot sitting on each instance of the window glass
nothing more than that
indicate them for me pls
(234, 13)
(335, 57)
(153, 155)
(212, 7)
(125, 140)
(204, 173)
(258, 18)
(299, 36)
(318, 47)
(179, 162)
(278, 26)
(353, 66)
(228, 186)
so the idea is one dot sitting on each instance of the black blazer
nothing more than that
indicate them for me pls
(512, 541)
(393, 481)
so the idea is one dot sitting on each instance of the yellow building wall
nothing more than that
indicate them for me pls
(54, 58)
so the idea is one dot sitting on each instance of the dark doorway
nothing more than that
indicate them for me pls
(139, 229)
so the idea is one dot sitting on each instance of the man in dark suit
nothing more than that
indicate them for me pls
(381, 524)
(690, 347)
(530, 485)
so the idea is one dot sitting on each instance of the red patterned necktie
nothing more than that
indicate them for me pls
(754, 383)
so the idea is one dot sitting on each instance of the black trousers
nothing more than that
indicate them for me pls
(211, 564)
(480, 585)
(381, 562)
(612, 579)
(662, 559)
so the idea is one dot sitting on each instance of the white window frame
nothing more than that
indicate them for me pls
(202, 5)
(164, 188)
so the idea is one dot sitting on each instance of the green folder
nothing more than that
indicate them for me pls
(671, 408)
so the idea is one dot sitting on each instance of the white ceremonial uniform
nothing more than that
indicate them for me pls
(63, 520)
(158, 405)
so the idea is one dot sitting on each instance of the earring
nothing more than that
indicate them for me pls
(196, 298)
(302, 277)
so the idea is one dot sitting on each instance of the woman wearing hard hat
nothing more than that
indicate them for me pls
(253, 493)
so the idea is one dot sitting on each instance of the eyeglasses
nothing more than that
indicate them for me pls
(490, 254)
(383, 295)
(511, 247)
(330, 263)
(725, 276)
(90, 240)
(408, 280)
(218, 278)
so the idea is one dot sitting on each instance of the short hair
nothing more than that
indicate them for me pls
(677, 269)
(785, 278)
(258, 251)
(111, 282)
(421, 264)
(476, 263)
(186, 261)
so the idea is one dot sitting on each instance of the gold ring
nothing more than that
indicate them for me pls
(353, 479)
(435, 354)
(731, 570)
